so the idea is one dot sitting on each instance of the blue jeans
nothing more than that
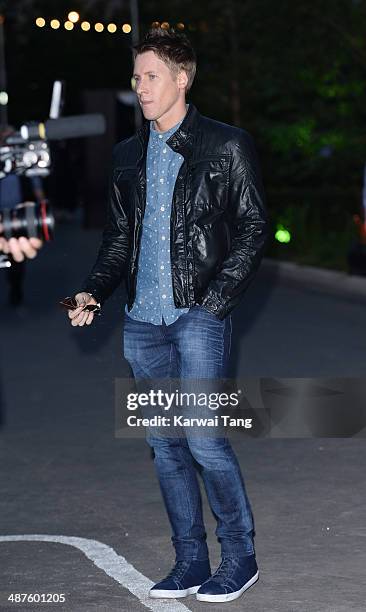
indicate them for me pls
(197, 345)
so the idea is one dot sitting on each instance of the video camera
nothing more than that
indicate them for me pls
(27, 153)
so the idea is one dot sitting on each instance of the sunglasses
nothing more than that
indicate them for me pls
(69, 303)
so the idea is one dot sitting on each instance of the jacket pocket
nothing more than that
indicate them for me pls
(210, 182)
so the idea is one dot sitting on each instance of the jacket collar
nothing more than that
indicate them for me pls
(182, 140)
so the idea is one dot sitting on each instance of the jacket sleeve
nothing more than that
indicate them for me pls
(249, 230)
(111, 262)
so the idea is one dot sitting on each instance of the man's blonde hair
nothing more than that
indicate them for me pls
(173, 48)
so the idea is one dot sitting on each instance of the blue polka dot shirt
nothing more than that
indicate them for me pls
(154, 301)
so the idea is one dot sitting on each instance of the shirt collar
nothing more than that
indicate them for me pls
(163, 136)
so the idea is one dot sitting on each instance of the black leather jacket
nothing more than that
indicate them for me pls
(218, 225)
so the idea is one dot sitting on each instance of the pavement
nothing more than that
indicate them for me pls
(80, 510)
(333, 281)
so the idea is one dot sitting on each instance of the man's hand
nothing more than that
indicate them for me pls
(77, 316)
(20, 248)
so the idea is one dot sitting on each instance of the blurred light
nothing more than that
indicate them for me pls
(133, 83)
(180, 26)
(126, 28)
(55, 24)
(112, 28)
(326, 151)
(68, 25)
(2, 19)
(4, 98)
(40, 22)
(73, 16)
(85, 26)
(155, 24)
(99, 27)
(165, 25)
(282, 234)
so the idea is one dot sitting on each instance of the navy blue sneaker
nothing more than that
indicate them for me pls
(184, 579)
(233, 576)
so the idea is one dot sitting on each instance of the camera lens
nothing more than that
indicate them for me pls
(30, 220)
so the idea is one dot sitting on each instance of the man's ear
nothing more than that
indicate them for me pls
(182, 79)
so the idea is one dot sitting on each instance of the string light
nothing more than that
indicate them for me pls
(165, 25)
(180, 26)
(73, 16)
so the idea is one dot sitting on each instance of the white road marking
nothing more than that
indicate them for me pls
(115, 566)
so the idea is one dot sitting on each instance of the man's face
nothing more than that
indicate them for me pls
(156, 88)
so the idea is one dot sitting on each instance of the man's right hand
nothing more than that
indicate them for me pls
(78, 316)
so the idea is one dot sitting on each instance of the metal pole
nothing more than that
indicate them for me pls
(3, 107)
(134, 9)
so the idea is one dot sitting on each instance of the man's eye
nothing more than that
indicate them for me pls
(152, 76)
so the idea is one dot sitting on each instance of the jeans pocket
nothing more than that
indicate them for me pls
(207, 313)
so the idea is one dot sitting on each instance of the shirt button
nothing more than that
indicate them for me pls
(160, 136)
(163, 296)
(162, 208)
(161, 267)
(163, 237)
(161, 180)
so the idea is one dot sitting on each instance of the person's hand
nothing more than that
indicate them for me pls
(78, 316)
(20, 248)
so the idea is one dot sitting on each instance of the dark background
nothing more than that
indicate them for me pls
(292, 74)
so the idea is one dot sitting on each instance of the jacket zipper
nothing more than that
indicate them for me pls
(140, 189)
(185, 278)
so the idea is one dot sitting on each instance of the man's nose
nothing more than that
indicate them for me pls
(141, 87)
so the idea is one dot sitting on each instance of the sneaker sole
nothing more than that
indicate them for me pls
(164, 594)
(227, 596)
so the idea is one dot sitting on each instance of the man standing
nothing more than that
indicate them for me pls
(186, 227)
